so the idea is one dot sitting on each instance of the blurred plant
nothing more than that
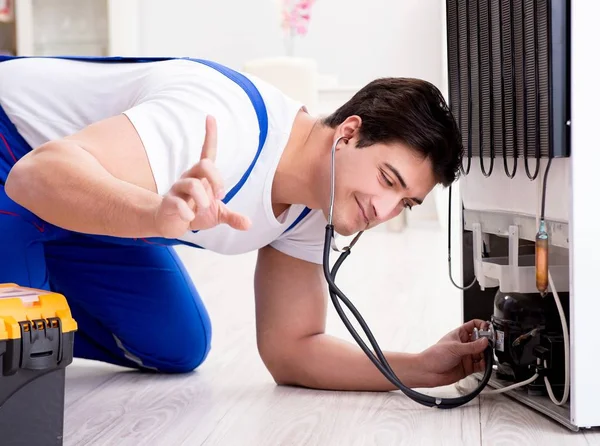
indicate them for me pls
(295, 18)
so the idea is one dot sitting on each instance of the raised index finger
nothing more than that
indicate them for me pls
(209, 149)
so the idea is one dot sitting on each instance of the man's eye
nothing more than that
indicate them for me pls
(386, 179)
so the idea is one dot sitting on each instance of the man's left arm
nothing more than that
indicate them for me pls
(291, 305)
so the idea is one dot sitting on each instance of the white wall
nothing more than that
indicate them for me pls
(355, 40)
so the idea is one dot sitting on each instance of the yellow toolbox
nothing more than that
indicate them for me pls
(36, 345)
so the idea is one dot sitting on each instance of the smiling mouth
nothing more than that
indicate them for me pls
(362, 212)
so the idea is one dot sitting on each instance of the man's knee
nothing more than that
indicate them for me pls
(190, 352)
(179, 351)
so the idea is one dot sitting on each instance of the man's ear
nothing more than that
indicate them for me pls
(349, 128)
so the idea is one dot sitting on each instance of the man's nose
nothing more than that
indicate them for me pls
(386, 206)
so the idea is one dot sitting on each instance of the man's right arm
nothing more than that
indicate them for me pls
(96, 181)
(99, 181)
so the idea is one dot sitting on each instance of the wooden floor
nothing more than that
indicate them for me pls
(231, 399)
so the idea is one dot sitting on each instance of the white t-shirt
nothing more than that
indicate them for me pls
(168, 102)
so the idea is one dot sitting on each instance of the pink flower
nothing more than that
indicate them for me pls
(296, 16)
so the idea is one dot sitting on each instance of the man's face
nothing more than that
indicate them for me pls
(374, 184)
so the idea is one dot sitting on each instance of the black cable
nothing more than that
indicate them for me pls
(380, 361)
(544, 182)
(450, 245)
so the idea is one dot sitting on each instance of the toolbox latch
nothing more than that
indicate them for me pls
(41, 343)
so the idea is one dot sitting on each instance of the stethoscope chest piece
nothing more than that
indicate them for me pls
(337, 240)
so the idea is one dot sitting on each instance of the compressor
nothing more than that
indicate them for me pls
(528, 339)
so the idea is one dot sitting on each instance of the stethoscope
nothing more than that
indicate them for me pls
(380, 361)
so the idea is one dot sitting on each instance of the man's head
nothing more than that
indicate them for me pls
(400, 141)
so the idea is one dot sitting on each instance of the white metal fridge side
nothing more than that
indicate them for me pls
(584, 241)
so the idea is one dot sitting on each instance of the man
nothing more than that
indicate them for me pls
(105, 166)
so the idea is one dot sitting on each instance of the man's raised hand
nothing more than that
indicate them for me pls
(194, 201)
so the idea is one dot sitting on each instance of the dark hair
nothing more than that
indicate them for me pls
(410, 111)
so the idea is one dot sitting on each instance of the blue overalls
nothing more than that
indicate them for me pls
(133, 300)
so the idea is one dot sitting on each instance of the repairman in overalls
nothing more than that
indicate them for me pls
(106, 164)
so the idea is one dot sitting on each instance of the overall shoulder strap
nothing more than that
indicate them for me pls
(300, 217)
(261, 114)
(263, 122)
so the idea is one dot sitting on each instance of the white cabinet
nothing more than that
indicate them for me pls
(74, 27)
